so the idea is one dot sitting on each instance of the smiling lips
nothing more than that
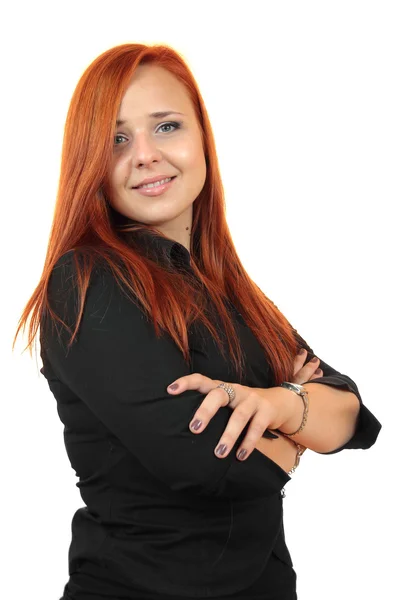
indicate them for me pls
(154, 179)
(154, 183)
(155, 188)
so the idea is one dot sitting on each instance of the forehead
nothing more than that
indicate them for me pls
(154, 89)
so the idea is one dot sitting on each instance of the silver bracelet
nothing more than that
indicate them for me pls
(300, 391)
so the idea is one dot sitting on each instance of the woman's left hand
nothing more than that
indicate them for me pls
(264, 406)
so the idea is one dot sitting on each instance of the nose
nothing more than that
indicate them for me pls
(145, 150)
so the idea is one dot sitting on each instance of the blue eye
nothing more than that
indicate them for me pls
(118, 136)
(174, 124)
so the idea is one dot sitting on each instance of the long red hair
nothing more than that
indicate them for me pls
(83, 222)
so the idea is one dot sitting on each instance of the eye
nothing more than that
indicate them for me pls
(173, 123)
(118, 136)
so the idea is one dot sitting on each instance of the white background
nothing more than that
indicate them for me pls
(304, 101)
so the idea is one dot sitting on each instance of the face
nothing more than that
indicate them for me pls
(146, 146)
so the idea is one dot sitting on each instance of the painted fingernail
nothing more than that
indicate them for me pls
(221, 449)
(242, 454)
(318, 371)
(173, 386)
(302, 351)
(196, 424)
(315, 359)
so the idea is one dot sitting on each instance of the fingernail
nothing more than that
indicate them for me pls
(315, 359)
(242, 454)
(196, 424)
(302, 351)
(318, 371)
(221, 449)
(173, 386)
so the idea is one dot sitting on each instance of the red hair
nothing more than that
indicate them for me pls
(83, 222)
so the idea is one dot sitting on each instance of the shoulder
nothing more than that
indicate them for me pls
(78, 273)
(65, 262)
(66, 265)
(98, 281)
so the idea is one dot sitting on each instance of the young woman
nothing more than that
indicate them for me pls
(142, 288)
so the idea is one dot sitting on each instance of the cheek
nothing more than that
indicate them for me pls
(190, 156)
(120, 172)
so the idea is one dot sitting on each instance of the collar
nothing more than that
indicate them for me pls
(171, 250)
(152, 244)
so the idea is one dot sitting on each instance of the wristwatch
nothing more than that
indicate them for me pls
(300, 390)
(295, 387)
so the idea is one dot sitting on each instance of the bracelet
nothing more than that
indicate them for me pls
(300, 450)
(304, 397)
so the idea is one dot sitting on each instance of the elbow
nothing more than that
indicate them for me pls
(346, 428)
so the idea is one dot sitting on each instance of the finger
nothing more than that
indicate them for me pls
(209, 407)
(238, 421)
(194, 381)
(307, 371)
(318, 373)
(254, 433)
(299, 360)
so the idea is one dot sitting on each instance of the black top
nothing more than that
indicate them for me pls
(162, 513)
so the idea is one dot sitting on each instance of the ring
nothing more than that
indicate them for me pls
(230, 391)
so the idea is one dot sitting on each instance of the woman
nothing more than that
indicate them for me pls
(141, 288)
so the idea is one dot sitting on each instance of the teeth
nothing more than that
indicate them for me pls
(155, 184)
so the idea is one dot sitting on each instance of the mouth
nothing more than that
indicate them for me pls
(154, 185)
(155, 189)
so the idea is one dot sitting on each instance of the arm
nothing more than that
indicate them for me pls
(337, 418)
(332, 417)
(120, 370)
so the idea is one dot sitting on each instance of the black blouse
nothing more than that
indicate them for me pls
(163, 516)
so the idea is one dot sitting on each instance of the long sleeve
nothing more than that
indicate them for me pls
(368, 426)
(120, 369)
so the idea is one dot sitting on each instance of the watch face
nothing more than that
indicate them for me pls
(298, 387)
(294, 386)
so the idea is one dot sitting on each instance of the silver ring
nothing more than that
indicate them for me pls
(230, 391)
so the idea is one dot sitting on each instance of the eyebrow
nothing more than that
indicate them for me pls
(154, 115)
